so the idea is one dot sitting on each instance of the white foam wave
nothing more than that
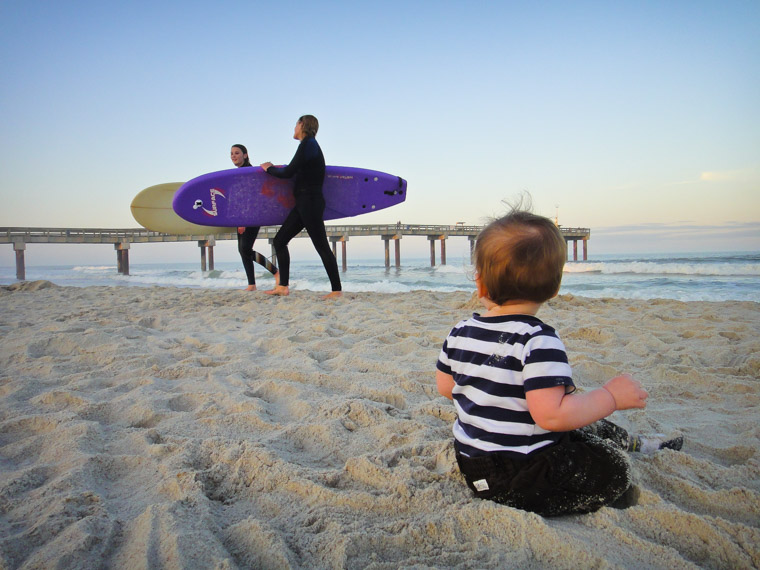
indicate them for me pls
(454, 269)
(94, 269)
(704, 278)
(654, 268)
(381, 286)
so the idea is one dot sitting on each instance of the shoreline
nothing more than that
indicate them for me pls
(209, 427)
(692, 277)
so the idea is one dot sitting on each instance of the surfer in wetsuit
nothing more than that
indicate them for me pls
(308, 169)
(246, 236)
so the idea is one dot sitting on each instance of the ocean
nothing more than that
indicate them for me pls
(683, 276)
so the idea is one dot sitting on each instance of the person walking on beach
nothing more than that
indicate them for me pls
(308, 169)
(246, 236)
(523, 436)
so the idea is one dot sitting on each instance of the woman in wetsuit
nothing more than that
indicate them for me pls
(246, 236)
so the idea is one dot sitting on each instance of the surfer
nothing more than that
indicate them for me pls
(246, 236)
(308, 169)
(523, 437)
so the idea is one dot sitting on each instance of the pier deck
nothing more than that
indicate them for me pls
(121, 239)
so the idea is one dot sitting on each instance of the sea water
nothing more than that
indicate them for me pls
(684, 277)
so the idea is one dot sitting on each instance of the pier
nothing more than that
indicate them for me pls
(121, 239)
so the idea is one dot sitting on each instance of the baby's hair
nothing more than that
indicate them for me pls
(520, 257)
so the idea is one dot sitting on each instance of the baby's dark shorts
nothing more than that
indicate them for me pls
(580, 473)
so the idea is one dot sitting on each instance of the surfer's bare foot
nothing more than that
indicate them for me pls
(279, 291)
(251, 288)
(333, 295)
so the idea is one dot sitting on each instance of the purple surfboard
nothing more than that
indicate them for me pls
(251, 197)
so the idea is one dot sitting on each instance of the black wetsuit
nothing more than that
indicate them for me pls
(308, 169)
(245, 247)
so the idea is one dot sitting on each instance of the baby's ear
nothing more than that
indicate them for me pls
(482, 292)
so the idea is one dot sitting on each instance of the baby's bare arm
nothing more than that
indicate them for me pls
(445, 383)
(554, 410)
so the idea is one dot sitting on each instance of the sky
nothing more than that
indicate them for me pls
(639, 120)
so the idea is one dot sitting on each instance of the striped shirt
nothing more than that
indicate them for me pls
(494, 361)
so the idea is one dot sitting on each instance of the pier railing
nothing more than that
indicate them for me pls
(122, 238)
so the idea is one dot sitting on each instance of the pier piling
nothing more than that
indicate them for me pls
(433, 239)
(342, 239)
(122, 257)
(396, 237)
(19, 247)
(207, 252)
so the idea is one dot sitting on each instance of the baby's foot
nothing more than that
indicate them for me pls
(651, 443)
(675, 444)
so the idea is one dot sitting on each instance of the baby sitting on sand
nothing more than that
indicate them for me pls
(523, 436)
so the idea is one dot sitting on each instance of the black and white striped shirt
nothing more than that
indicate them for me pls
(494, 361)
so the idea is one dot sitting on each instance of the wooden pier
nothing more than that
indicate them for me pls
(121, 239)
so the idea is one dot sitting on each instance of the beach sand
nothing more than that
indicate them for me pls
(184, 428)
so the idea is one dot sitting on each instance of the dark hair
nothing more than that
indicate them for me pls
(247, 162)
(309, 125)
(520, 257)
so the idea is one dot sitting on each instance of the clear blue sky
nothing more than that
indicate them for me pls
(640, 120)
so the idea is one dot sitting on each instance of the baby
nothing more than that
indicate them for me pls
(523, 436)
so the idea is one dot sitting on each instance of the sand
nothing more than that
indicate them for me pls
(180, 428)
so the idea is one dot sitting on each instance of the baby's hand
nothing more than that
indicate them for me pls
(627, 392)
